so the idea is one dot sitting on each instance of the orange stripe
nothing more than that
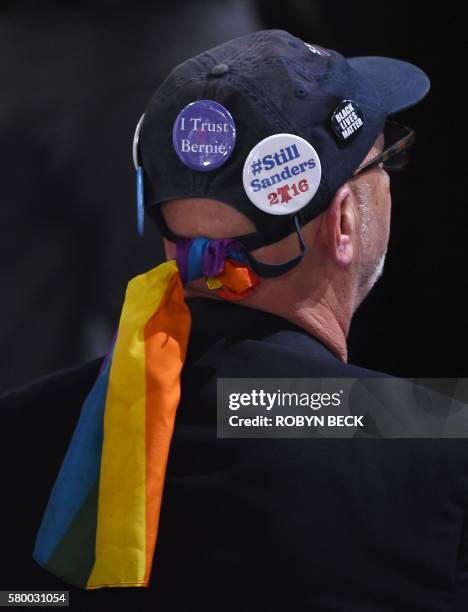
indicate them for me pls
(238, 280)
(166, 339)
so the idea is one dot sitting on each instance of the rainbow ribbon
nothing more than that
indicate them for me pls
(100, 524)
(221, 261)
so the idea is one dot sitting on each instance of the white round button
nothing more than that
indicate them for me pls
(282, 174)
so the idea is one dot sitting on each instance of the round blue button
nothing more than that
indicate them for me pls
(204, 135)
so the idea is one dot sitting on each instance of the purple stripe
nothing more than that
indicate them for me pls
(215, 254)
(204, 256)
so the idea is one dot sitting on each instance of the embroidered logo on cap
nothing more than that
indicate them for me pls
(204, 135)
(347, 120)
(317, 50)
(282, 174)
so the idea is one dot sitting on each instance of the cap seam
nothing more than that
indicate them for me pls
(329, 76)
(263, 100)
(233, 57)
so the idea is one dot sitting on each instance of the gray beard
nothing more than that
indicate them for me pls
(379, 269)
(372, 272)
(368, 279)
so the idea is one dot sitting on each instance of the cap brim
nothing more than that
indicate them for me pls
(400, 84)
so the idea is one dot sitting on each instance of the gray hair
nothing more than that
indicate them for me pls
(371, 273)
(363, 194)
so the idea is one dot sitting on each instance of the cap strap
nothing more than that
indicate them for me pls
(273, 270)
(249, 241)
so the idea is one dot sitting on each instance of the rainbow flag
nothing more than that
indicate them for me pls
(100, 525)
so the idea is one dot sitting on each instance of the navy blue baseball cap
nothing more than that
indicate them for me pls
(270, 83)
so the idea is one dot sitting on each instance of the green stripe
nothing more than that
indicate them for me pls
(73, 559)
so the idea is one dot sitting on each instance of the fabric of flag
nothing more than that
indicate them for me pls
(100, 524)
(221, 261)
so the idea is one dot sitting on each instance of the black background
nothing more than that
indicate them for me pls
(75, 80)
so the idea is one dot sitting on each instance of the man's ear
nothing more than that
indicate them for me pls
(170, 249)
(340, 226)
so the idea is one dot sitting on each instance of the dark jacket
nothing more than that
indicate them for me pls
(361, 525)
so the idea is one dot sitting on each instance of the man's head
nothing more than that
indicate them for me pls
(346, 243)
(260, 139)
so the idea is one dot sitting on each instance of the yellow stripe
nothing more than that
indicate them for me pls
(121, 537)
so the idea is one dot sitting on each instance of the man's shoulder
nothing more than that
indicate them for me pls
(234, 340)
(284, 353)
(40, 397)
(39, 419)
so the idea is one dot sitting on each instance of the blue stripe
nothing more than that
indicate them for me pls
(78, 473)
(195, 258)
(239, 255)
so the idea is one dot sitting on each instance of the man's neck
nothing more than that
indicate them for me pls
(317, 319)
(320, 322)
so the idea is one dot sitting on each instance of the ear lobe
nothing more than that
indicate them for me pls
(341, 226)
